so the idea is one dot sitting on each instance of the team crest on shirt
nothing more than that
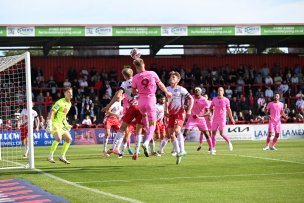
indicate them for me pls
(65, 110)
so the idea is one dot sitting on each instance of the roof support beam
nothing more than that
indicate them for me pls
(47, 47)
(154, 48)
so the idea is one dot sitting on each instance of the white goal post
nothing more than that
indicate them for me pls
(15, 95)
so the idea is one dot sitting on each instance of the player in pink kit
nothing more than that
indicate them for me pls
(175, 110)
(144, 84)
(208, 120)
(197, 118)
(220, 106)
(275, 109)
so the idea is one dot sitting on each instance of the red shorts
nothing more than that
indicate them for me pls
(176, 120)
(23, 132)
(132, 113)
(160, 128)
(132, 128)
(112, 122)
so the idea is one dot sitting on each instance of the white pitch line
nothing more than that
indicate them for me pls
(84, 187)
(264, 158)
(190, 177)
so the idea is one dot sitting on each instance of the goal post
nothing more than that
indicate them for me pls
(15, 95)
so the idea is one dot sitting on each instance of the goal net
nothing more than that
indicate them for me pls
(15, 95)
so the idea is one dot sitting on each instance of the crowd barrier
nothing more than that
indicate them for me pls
(89, 136)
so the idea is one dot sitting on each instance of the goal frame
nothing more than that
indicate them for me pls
(28, 87)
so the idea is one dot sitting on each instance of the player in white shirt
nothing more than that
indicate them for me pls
(160, 130)
(131, 112)
(176, 113)
(112, 121)
(24, 129)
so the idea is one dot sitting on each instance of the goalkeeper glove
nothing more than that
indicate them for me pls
(48, 126)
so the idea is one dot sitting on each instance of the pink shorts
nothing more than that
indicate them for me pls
(146, 106)
(196, 122)
(274, 127)
(216, 125)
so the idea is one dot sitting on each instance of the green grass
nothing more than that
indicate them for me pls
(239, 176)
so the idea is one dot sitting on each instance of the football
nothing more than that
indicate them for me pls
(135, 53)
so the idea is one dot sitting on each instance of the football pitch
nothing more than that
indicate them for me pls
(248, 174)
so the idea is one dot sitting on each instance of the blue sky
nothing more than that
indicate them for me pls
(151, 12)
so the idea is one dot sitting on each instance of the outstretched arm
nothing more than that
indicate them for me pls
(164, 89)
(116, 97)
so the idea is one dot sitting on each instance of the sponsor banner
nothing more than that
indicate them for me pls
(211, 30)
(85, 136)
(282, 30)
(234, 132)
(98, 31)
(2, 31)
(174, 31)
(288, 131)
(20, 31)
(136, 30)
(41, 138)
(247, 30)
(253, 132)
(60, 31)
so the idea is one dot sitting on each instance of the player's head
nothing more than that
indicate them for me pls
(139, 64)
(206, 96)
(276, 97)
(220, 91)
(68, 93)
(161, 99)
(174, 77)
(127, 73)
(198, 91)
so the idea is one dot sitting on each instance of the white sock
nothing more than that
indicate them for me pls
(181, 142)
(105, 143)
(152, 145)
(26, 149)
(119, 141)
(163, 144)
(124, 146)
(137, 143)
(176, 146)
(115, 141)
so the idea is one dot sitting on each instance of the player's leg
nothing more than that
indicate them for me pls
(138, 140)
(56, 133)
(105, 140)
(214, 127)
(225, 137)
(125, 140)
(270, 131)
(118, 139)
(277, 130)
(149, 110)
(67, 142)
(24, 139)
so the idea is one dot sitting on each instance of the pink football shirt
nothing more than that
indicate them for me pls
(220, 108)
(145, 82)
(199, 106)
(275, 109)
